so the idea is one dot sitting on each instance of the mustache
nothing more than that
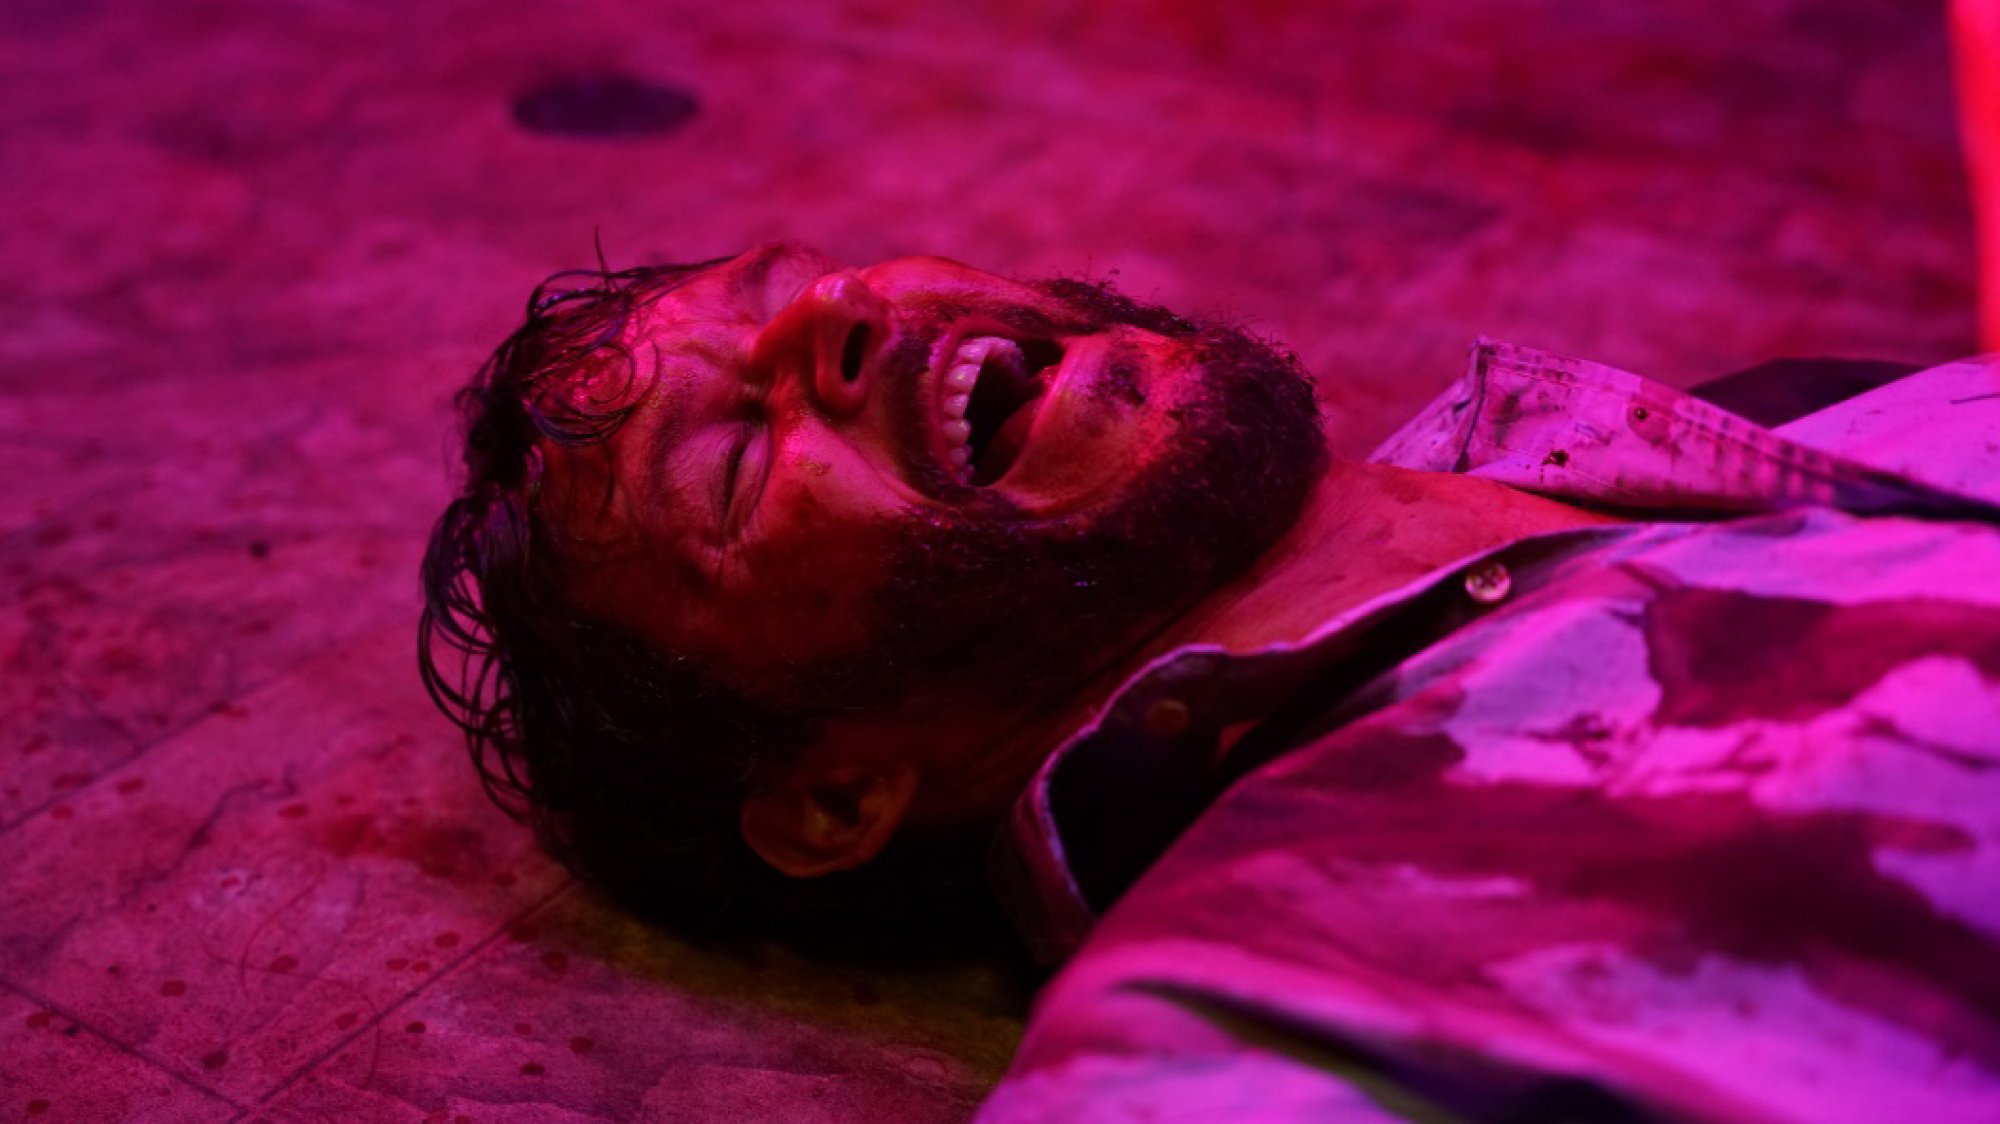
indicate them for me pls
(909, 357)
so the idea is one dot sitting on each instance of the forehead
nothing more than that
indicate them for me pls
(752, 286)
(696, 317)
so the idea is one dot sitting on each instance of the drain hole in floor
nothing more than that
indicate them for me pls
(604, 105)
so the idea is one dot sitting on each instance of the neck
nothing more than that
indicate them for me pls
(1365, 530)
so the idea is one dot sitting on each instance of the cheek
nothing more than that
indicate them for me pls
(809, 581)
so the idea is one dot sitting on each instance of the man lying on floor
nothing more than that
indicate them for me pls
(1588, 752)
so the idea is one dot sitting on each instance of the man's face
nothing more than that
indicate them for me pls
(839, 486)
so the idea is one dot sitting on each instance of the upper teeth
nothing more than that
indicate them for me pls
(960, 377)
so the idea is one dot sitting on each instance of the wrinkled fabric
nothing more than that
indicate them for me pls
(1682, 818)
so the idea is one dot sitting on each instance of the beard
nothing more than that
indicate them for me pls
(987, 596)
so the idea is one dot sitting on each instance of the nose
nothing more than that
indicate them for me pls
(831, 336)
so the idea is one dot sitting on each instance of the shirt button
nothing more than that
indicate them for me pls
(1488, 583)
(1168, 718)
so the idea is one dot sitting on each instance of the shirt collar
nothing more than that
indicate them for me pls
(1585, 432)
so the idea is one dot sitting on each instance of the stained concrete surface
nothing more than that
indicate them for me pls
(251, 249)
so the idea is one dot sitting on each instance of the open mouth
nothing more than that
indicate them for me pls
(989, 395)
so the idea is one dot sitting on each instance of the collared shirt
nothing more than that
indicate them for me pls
(1693, 816)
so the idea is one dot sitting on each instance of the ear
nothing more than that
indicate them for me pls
(822, 820)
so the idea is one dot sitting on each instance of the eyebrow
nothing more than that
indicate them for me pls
(668, 423)
(669, 418)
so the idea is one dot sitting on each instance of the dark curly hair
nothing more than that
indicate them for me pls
(630, 763)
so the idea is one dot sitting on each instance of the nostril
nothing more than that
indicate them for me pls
(854, 353)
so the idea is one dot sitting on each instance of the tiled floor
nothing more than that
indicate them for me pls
(252, 247)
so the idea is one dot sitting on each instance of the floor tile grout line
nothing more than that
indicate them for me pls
(194, 722)
(499, 932)
(121, 1046)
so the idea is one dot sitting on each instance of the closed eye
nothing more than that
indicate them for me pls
(744, 471)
